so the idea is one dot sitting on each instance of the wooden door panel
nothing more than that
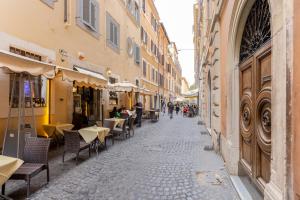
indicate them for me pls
(263, 74)
(263, 116)
(255, 116)
(265, 171)
(246, 116)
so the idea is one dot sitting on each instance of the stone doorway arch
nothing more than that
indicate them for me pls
(277, 188)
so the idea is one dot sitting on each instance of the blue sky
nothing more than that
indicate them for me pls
(177, 16)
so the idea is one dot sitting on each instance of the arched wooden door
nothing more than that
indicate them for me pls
(255, 95)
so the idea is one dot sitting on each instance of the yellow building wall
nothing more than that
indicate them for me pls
(43, 27)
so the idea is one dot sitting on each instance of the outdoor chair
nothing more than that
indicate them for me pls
(117, 132)
(73, 144)
(109, 124)
(35, 158)
(130, 126)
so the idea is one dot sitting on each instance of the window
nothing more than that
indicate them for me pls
(88, 16)
(144, 36)
(144, 68)
(144, 6)
(112, 32)
(153, 75)
(156, 76)
(163, 59)
(136, 12)
(134, 9)
(112, 80)
(113, 98)
(89, 13)
(169, 68)
(153, 23)
(66, 10)
(39, 91)
(137, 54)
(161, 79)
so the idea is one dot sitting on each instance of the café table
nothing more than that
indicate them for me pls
(91, 134)
(117, 121)
(8, 165)
(55, 131)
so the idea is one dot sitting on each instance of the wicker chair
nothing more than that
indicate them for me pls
(35, 158)
(74, 145)
(109, 124)
(117, 132)
(130, 126)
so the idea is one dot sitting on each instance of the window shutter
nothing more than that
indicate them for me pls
(144, 6)
(86, 11)
(97, 16)
(116, 37)
(111, 31)
(137, 55)
(93, 15)
(142, 33)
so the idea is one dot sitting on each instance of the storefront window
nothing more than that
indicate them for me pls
(39, 91)
(113, 98)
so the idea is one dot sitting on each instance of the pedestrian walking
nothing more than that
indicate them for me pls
(164, 108)
(139, 113)
(171, 109)
(177, 108)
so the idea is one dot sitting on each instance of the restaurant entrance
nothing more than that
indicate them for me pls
(88, 105)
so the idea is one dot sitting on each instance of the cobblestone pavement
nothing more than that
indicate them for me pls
(164, 160)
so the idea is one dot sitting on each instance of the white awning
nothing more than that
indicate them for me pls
(82, 77)
(145, 91)
(180, 99)
(11, 62)
(124, 86)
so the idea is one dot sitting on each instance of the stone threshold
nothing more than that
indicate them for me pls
(245, 189)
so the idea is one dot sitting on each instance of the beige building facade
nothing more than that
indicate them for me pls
(247, 84)
(161, 70)
(95, 37)
(184, 86)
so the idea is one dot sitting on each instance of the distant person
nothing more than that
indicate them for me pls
(163, 107)
(139, 113)
(171, 109)
(177, 108)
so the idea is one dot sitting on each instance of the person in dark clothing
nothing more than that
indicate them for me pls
(171, 109)
(177, 108)
(139, 113)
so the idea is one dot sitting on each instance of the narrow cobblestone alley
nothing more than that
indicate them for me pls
(164, 160)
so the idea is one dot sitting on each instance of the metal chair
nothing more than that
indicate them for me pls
(35, 158)
(117, 132)
(130, 126)
(109, 124)
(74, 145)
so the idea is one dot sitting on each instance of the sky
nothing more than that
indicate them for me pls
(177, 17)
